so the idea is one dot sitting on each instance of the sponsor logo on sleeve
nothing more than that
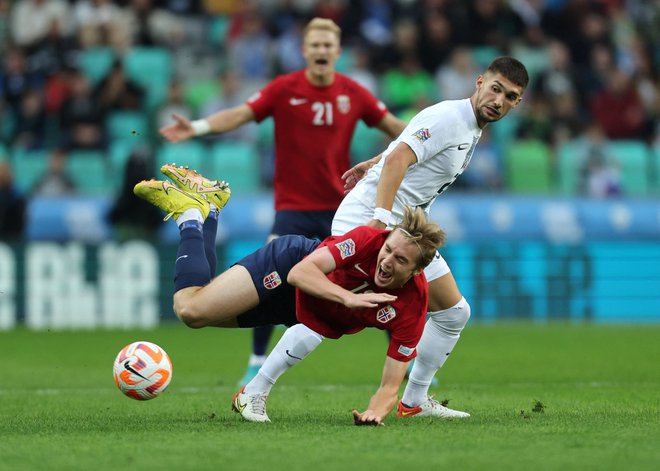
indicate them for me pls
(406, 351)
(422, 135)
(272, 280)
(385, 314)
(346, 248)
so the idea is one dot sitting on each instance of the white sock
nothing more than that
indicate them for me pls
(296, 343)
(441, 332)
(192, 214)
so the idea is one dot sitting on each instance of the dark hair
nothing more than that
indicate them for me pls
(510, 68)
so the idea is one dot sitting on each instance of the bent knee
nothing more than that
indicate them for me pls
(189, 316)
(452, 320)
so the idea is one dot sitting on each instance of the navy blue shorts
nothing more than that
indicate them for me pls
(269, 267)
(312, 224)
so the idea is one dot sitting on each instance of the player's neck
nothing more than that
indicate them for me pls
(322, 80)
(473, 103)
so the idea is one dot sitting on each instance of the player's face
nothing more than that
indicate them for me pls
(321, 51)
(494, 98)
(397, 261)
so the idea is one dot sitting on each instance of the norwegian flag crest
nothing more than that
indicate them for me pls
(385, 314)
(272, 280)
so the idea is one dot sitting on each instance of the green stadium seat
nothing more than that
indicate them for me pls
(484, 55)
(150, 67)
(197, 93)
(528, 167)
(366, 143)
(96, 62)
(89, 172)
(218, 30)
(191, 153)
(127, 125)
(238, 164)
(633, 159)
(569, 161)
(29, 167)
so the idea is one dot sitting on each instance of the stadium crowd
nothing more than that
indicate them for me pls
(85, 84)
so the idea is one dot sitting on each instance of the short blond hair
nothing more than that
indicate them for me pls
(426, 235)
(322, 24)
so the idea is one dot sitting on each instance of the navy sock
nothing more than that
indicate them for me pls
(210, 231)
(191, 267)
(260, 338)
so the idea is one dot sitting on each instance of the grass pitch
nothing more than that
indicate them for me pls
(541, 397)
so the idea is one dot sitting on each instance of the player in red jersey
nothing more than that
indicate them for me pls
(367, 277)
(315, 112)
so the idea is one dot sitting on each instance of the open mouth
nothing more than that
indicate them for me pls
(321, 61)
(383, 276)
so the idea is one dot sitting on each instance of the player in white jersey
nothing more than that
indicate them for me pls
(431, 152)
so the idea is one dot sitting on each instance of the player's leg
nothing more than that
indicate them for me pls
(297, 342)
(448, 314)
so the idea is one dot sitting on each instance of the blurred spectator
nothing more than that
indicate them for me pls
(558, 77)
(360, 70)
(30, 128)
(436, 42)
(55, 182)
(457, 79)
(250, 51)
(598, 168)
(101, 23)
(536, 119)
(152, 26)
(566, 118)
(5, 22)
(117, 92)
(32, 21)
(618, 108)
(173, 104)
(16, 79)
(493, 23)
(405, 85)
(132, 217)
(82, 119)
(288, 47)
(12, 205)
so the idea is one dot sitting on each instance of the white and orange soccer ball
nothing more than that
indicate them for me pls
(142, 370)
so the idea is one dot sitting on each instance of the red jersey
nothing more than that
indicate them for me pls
(313, 131)
(355, 254)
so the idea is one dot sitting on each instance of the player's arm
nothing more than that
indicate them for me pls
(391, 125)
(309, 275)
(356, 173)
(386, 396)
(394, 169)
(222, 121)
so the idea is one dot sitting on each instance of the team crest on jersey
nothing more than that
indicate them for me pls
(272, 280)
(385, 314)
(422, 135)
(346, 248)
(343, 103)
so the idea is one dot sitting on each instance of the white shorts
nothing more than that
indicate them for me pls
(352, 213)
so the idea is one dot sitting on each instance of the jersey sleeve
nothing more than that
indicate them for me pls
(374, 109)
(352, 246)
(430, 132)
(263, 102)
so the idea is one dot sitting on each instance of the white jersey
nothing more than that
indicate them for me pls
(443, 138)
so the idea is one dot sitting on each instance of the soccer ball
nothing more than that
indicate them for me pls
(142, 370)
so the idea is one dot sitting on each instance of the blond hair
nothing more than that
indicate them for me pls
(322, 24)
(426, 235)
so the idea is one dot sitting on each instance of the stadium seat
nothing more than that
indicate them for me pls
(96, 62)
(527, 167)
(633, 160)
(483, 55)
(89, 172)
(238, 164)
(190, 153)
(127, 125)
(29, 167)
(199, 92)
(568, 166)
(150, 67)
(217, 30)
(655, 163)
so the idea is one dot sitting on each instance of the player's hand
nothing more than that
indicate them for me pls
(377, 224)
(354, 175)
(367, 417)
(179, 131)
(362, 300)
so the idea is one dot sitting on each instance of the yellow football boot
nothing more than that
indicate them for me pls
(170, 199)
(217, 192)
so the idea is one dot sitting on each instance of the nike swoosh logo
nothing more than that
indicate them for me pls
(182, 256)
(127, 366)
(357, 267)
(297, 101)
(405, 413)
(463, 146)
(292, 356)
(239, 407)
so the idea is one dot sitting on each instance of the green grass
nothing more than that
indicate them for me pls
(541, 397)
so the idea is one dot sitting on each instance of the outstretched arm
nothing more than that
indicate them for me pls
(309, 275)
(222, 121)
(386, 396)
